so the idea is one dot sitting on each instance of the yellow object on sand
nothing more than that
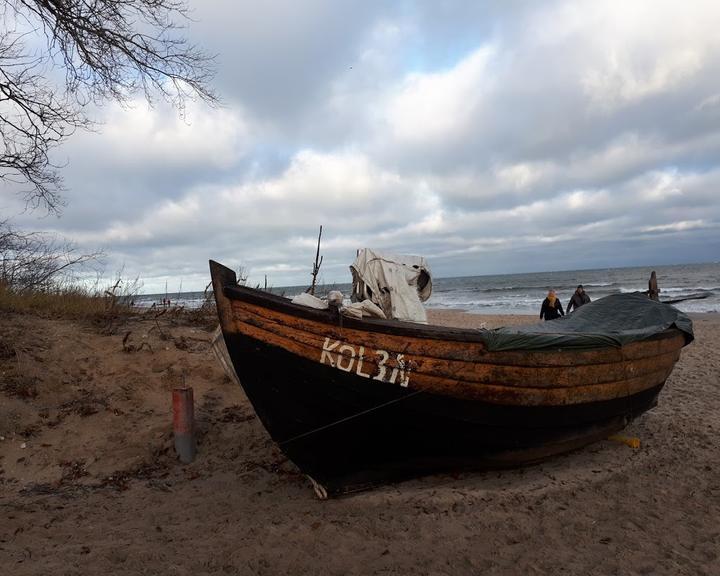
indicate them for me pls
(629, 441)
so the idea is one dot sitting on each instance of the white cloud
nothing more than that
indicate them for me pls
(435, 107)
(214, 136)
(709, 103)
(523, 175)
(265, 220)
(587, 200)
(626, 52)
(659, 186)
(676, 226)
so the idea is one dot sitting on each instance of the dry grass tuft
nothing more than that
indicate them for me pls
(67, 303)
(106, 311)
(61, 303)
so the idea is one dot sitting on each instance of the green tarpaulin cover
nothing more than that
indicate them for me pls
(615, 320)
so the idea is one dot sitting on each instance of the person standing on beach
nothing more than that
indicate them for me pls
(578, 298)
(551, 307)
(653, 291)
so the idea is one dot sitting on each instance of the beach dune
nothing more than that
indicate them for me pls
(89, 482)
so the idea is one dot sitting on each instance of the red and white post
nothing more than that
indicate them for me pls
(184, 424)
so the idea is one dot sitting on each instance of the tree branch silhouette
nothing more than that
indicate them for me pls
(97, 51)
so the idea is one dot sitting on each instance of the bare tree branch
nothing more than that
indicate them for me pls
(109, 50)
(32, 261)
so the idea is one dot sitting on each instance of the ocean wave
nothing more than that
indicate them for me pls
(524, 293)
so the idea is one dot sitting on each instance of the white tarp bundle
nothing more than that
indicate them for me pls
(397, 284)
(311, 301)
(366, 308)
(335, 298)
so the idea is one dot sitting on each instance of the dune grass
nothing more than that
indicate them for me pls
(106, 311)
(65, 302)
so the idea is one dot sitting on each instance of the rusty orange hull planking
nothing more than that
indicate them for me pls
(356, 403)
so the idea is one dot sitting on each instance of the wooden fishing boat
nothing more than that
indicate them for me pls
(359, 402)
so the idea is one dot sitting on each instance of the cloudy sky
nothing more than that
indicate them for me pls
(490, 137)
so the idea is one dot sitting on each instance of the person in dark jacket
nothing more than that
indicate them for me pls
(578, 298)
(551, 307)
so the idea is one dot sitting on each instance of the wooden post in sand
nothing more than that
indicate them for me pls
(184, 424)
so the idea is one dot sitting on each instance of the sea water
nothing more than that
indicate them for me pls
(524, 293)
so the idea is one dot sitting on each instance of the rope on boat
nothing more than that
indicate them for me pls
(347, 418)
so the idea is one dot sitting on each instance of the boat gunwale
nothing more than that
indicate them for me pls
(394, 327)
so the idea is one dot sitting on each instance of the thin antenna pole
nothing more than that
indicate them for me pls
(316, 266)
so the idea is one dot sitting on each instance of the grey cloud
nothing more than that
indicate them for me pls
(278, 57)
(546, 158)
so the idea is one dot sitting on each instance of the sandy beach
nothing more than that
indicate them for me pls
(89, 482)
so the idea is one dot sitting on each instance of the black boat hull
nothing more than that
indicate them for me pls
(356, 403)
(350, 433)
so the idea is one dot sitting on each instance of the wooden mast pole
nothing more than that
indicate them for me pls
(316, 266)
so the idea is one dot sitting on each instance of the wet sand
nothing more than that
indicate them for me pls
(89, 483)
